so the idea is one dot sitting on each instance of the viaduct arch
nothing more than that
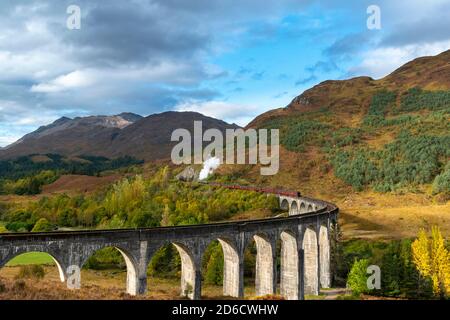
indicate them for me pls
(305, 250)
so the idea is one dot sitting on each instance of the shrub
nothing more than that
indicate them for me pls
(165, 262)
(34, 271)
(42, 225)
(417, 99)
(442, 181)
(303, 132)
(408, 160)
(357, 277)
(68, 218)
(19, 285)
(379, 105)
(106, 258)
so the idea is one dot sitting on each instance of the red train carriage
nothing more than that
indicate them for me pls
(280, 192)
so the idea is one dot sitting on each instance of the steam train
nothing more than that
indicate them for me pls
(280, 192)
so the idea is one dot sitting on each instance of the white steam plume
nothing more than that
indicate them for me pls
(209, 166)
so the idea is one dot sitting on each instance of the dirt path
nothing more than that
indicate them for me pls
(332, 294)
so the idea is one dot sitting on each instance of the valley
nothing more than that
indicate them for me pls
(378, 149)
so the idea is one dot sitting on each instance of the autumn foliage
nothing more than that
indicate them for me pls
(432, 259)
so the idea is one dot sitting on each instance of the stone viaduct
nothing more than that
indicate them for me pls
(305, 236)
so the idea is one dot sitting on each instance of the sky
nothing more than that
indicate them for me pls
(227, 59)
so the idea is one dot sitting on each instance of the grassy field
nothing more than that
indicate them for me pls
(373, 216)
(31, 258)
(97, 285)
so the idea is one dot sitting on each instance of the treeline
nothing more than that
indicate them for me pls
(136, 202)
(418, 155)
(28, 185)
(399, 275)
(25, 175)
(409, 159)
(415, 269)
(380, 104)
(417, 99)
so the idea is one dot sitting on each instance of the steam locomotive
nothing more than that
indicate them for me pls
(280, 192)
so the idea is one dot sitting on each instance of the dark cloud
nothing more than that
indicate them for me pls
(432, 29)
(322, 66)
(123, 33)
(306, 80)
(346, 46)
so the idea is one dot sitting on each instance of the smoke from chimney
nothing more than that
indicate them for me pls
(209, 166)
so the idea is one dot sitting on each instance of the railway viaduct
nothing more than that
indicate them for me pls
(305, 236)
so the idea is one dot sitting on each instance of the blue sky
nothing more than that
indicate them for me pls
(227, 59)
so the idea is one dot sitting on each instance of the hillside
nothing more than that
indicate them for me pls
(350, 99)
(384, 135)
(126, 134)
(379, 149)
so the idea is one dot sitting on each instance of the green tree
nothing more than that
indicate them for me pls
(214, 267)
(67, 218)
(357, 277)
(42, 225)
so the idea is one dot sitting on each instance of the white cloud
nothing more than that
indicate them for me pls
(17, 120)
(120, 77)
(240, 114)
(380, 62)
(75, 79)
(7, 139)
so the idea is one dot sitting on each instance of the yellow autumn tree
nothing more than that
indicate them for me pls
(432, 260)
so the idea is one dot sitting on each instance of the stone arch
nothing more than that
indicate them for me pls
(324, 246)
(310, 208)
(265, 274)
(284, 205)
(294, 207)
(232, 282)
(61, 269)
(310, 252)
(289, 269)
(132, 281)
(302, 207)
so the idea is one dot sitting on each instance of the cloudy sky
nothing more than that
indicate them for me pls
(228, 59)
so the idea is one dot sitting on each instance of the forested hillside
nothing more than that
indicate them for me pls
(27, 174)
(391, 134)
(418, 152)
(136, 202)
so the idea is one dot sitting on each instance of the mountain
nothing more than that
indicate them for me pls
(353, 96)
(110, 136)
(362, 134)
(149, 138)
